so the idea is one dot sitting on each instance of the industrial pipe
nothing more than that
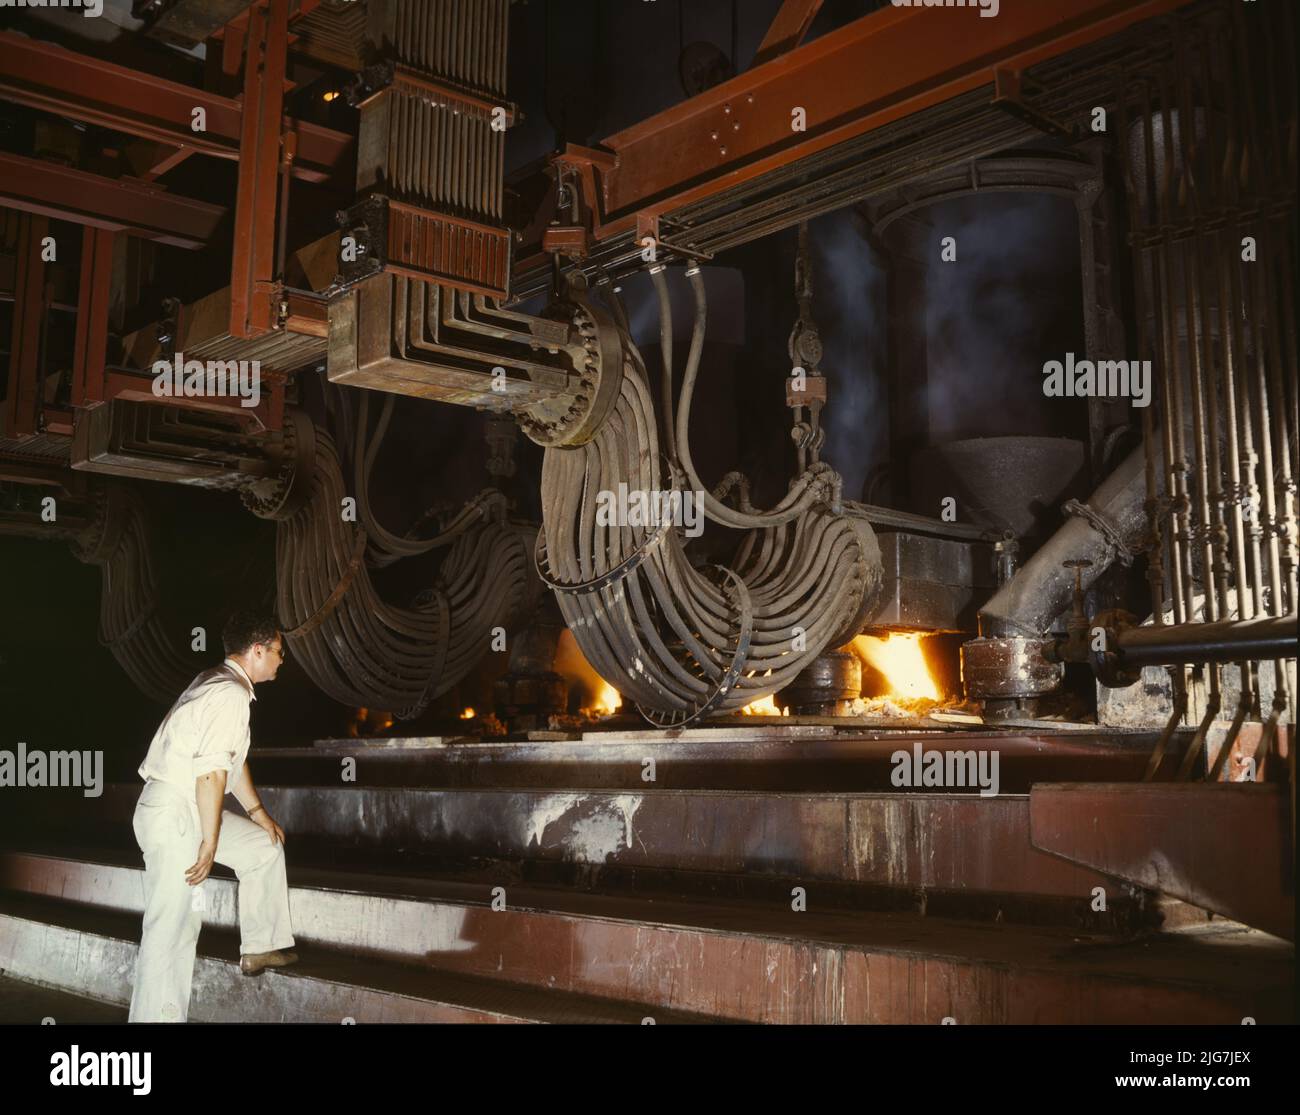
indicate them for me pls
(1042, 589)
(1251, 640)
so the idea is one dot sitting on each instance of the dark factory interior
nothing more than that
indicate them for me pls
(775, 511)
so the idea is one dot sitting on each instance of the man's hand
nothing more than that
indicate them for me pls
(207, 856)
(263, 820)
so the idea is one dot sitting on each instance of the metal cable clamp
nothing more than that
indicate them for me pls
(746, 608)
(610, 577)
(1103, 527)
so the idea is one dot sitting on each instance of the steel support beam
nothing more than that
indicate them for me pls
(878, 69)
(54, 79)
(1225, 847)
(788, 29)
(22, 403)
(94, 294)
(252, 265)
(114, 204)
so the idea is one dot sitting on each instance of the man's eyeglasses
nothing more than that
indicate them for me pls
(278, 650)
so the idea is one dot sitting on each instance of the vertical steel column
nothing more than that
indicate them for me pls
(94, 293)
(252, 266)
(20, 416)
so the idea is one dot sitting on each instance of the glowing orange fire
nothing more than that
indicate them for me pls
(764, 706)
(898, 656)
(608, 701)
(369, 722)
(468, 714)
(599, 698)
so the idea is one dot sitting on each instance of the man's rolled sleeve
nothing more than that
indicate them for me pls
(222, 730)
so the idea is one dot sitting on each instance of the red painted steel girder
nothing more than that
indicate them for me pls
(1222, 846)
(93, 296)
(51, 78)
(113, 204)
(252, 265)
(890, 64)
(20, 408)
(788, 29)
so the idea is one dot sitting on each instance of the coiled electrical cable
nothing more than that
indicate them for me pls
(359, 648)
(679, 640)
(130, 622)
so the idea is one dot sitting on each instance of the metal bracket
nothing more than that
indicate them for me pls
(1008, 95)
(340, 590)
(606, 579)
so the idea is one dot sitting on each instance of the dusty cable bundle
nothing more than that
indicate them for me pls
(683, 641)
(129, 621)
(357, 647)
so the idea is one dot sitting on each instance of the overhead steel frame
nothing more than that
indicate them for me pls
(115, 204)
(266, 144)
(252, 264)
(20, 416)
(93, 295)
(54, 79)
(878, 69)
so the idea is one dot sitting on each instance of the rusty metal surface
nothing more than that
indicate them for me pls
(333, 33)
(115, 204)
(789, 26)
(93, 952)
(1010, 667)
(94, 293)
(960, 852)
(138, 387)
(758, 757)
(733, 960)
(460, 41)
(20, 408)
(437, 247)
(877, 69)
(209, 448)
(252, 264)
(1224, 847)
(431, 145)
(54, 79)
(423, 339)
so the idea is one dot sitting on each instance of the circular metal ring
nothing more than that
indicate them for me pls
(610, 577)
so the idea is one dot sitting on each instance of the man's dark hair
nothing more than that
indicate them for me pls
(245, 628)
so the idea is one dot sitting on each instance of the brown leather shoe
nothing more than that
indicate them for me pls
(253, 962)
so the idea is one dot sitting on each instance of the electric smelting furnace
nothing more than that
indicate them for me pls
(885, 414)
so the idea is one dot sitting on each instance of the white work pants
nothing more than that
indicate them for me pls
(167, 829)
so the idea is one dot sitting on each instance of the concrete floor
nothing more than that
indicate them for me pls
(27, 1004)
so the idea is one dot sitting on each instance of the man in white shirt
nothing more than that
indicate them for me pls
(200, 752)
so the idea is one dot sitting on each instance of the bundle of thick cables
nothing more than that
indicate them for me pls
(683, 641)
(130, 623)
(356, 646)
